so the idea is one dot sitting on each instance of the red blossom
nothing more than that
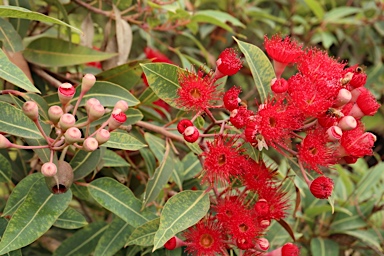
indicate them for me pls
(283, 50)
(231, 98)
(290, 249)
(244, 229)
(257, 177)
(156, 56)
(240, 117)
(367, 103)
(357, 142)
(228, 62)
(321, 187)
(227, 208)
(277, 201)
(359, 77)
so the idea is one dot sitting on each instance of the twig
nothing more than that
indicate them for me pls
(160, 130)
(53, 81)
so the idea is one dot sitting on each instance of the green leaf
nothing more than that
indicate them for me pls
(156, 145)
(133, 116)
(44, 154)
(112, 159)
(20, 25)
(113, 238)
(19, 193)
(70, 219)
(316, 8)
(54, 52)
(5, 169)
(192, 166)
(316, 210)
(163, 80)
(177, 173)
(324, 247)
(148, 96)
(14, 74)
(338, 13)
(83, 163)
(63, 11)
(144, 234)
(22, 13)
(83, 242)
(367, 237)
(124, 141)
(120, 200)
(26, 224)
(194, 147)
(149, 159)
(180, 212)
(369, 180)
(217, 18)
(261, 68)
(9, 37)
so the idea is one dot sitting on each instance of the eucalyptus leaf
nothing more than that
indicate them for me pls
(112, 159)
(144, 234)
(70, 219)
(124, 141)
(83, 163)
(5, 169)
(9, 37)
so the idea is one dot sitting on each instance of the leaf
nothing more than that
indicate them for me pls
(123, 37)
(194, 147)
(70, 219)
(14, 74)
(180, 212)
(117, 198)
(217, 18)
(337, 13)
(156, 145)
(144, 234)
(44, 154)
(163, 80)
(177, 173)
(112, 159)
(83, 163)
(123, 141)
(21, 25)
(89, 31)
(83, 242)
(149, 159)
(324, 247)
(261, 68)
(26, 224)
(133, 116)
(54, 52)
(22, 13)
(160, 177)
(113, 238)
(9, 37)
(19, 193)
(369, 180)
(107, 93)
(365, 236)
(316, 8)
(192, 166)
(5, 169)
(64, 13)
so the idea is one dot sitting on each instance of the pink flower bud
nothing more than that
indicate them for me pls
(117, 118)
(54, 114)
(95, 112)
(265, 223)
(191, 134)
(356, 112)
(31, 110)
(91, 102)
(174, 243)
(66, 92)
(334, 133)
(66, 121)
(121, 104)
(90, 144)
(183, 124)
(321, 187)
(72, 135)
(343, 97)
(102, 136)
(262, 244)
(356, 93)
(279, 85)
(49, 169)
(87, 82)
(4, 142)
(347, 123)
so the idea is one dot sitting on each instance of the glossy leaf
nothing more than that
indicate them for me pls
(124, 141)
(161, 176)
(191, 165)
(144, 234)
(217, 18)
(14, 74)
(114, 238)
(22, 13)
(163, 80)
(5, 169)
(120, 200)
(112, 159)
(70, 219)
(133, 116)
(9, 37)
(83, 242)
(324, 247)
(261, 68)
(54, 52)
(316, 8)
(156, 145)
(180, 212)
(26, 224)
(83, 163)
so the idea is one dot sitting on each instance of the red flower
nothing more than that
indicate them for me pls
(183, 124)
(227, 208)
(205, 238)
(257, 176)
(196, 91)
(231, 98)
(156, 56)
(228, 62)
(356, 142)
(282, 50)
(244, 229)
(367, 103)
(321, 187)
(240, 117)
(290, 249)
(359, 77)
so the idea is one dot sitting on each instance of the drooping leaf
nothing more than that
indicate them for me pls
(177, 173)
(20, 25)
(123, 37)
(9, 37)
(144, 234)
(156, 145)
(120, 200)
(112, 159)
(22, 13)
(217, 18)
(5, 169)
(261, 68)
(338, 13)
(124, 141)
(180, 212)
(367, 237)
(26, 224)
(324, 247)
(113, 238)
(14, 74)
(54, 52)
(83, 163)
(70, 219)
(83, 242)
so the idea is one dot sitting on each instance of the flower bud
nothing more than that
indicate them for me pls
(117, 118)
(347, 123)
(356, 112)
(367, 103)
(343, 97)
(290, 249)
(66, 121)
(321, 187)
(87, 82)
(174, 243)
(62, 181)
(90, 144)
(49, 169)
(121, 104)
(66, 92)
(4, 142)
(91, 102)
(265, 223)
(262, 244)
(54, 114)
(231, 98)
(31, 110)
(183, 124)
(279, 85)
(72, 135)
(191, 134)
(228, 63)
(102, 136)
(95, 112)
(334, 133)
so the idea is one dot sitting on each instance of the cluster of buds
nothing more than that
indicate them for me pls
(314, 118)
(68, 131)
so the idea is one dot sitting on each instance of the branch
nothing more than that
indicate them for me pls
(160, 130)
